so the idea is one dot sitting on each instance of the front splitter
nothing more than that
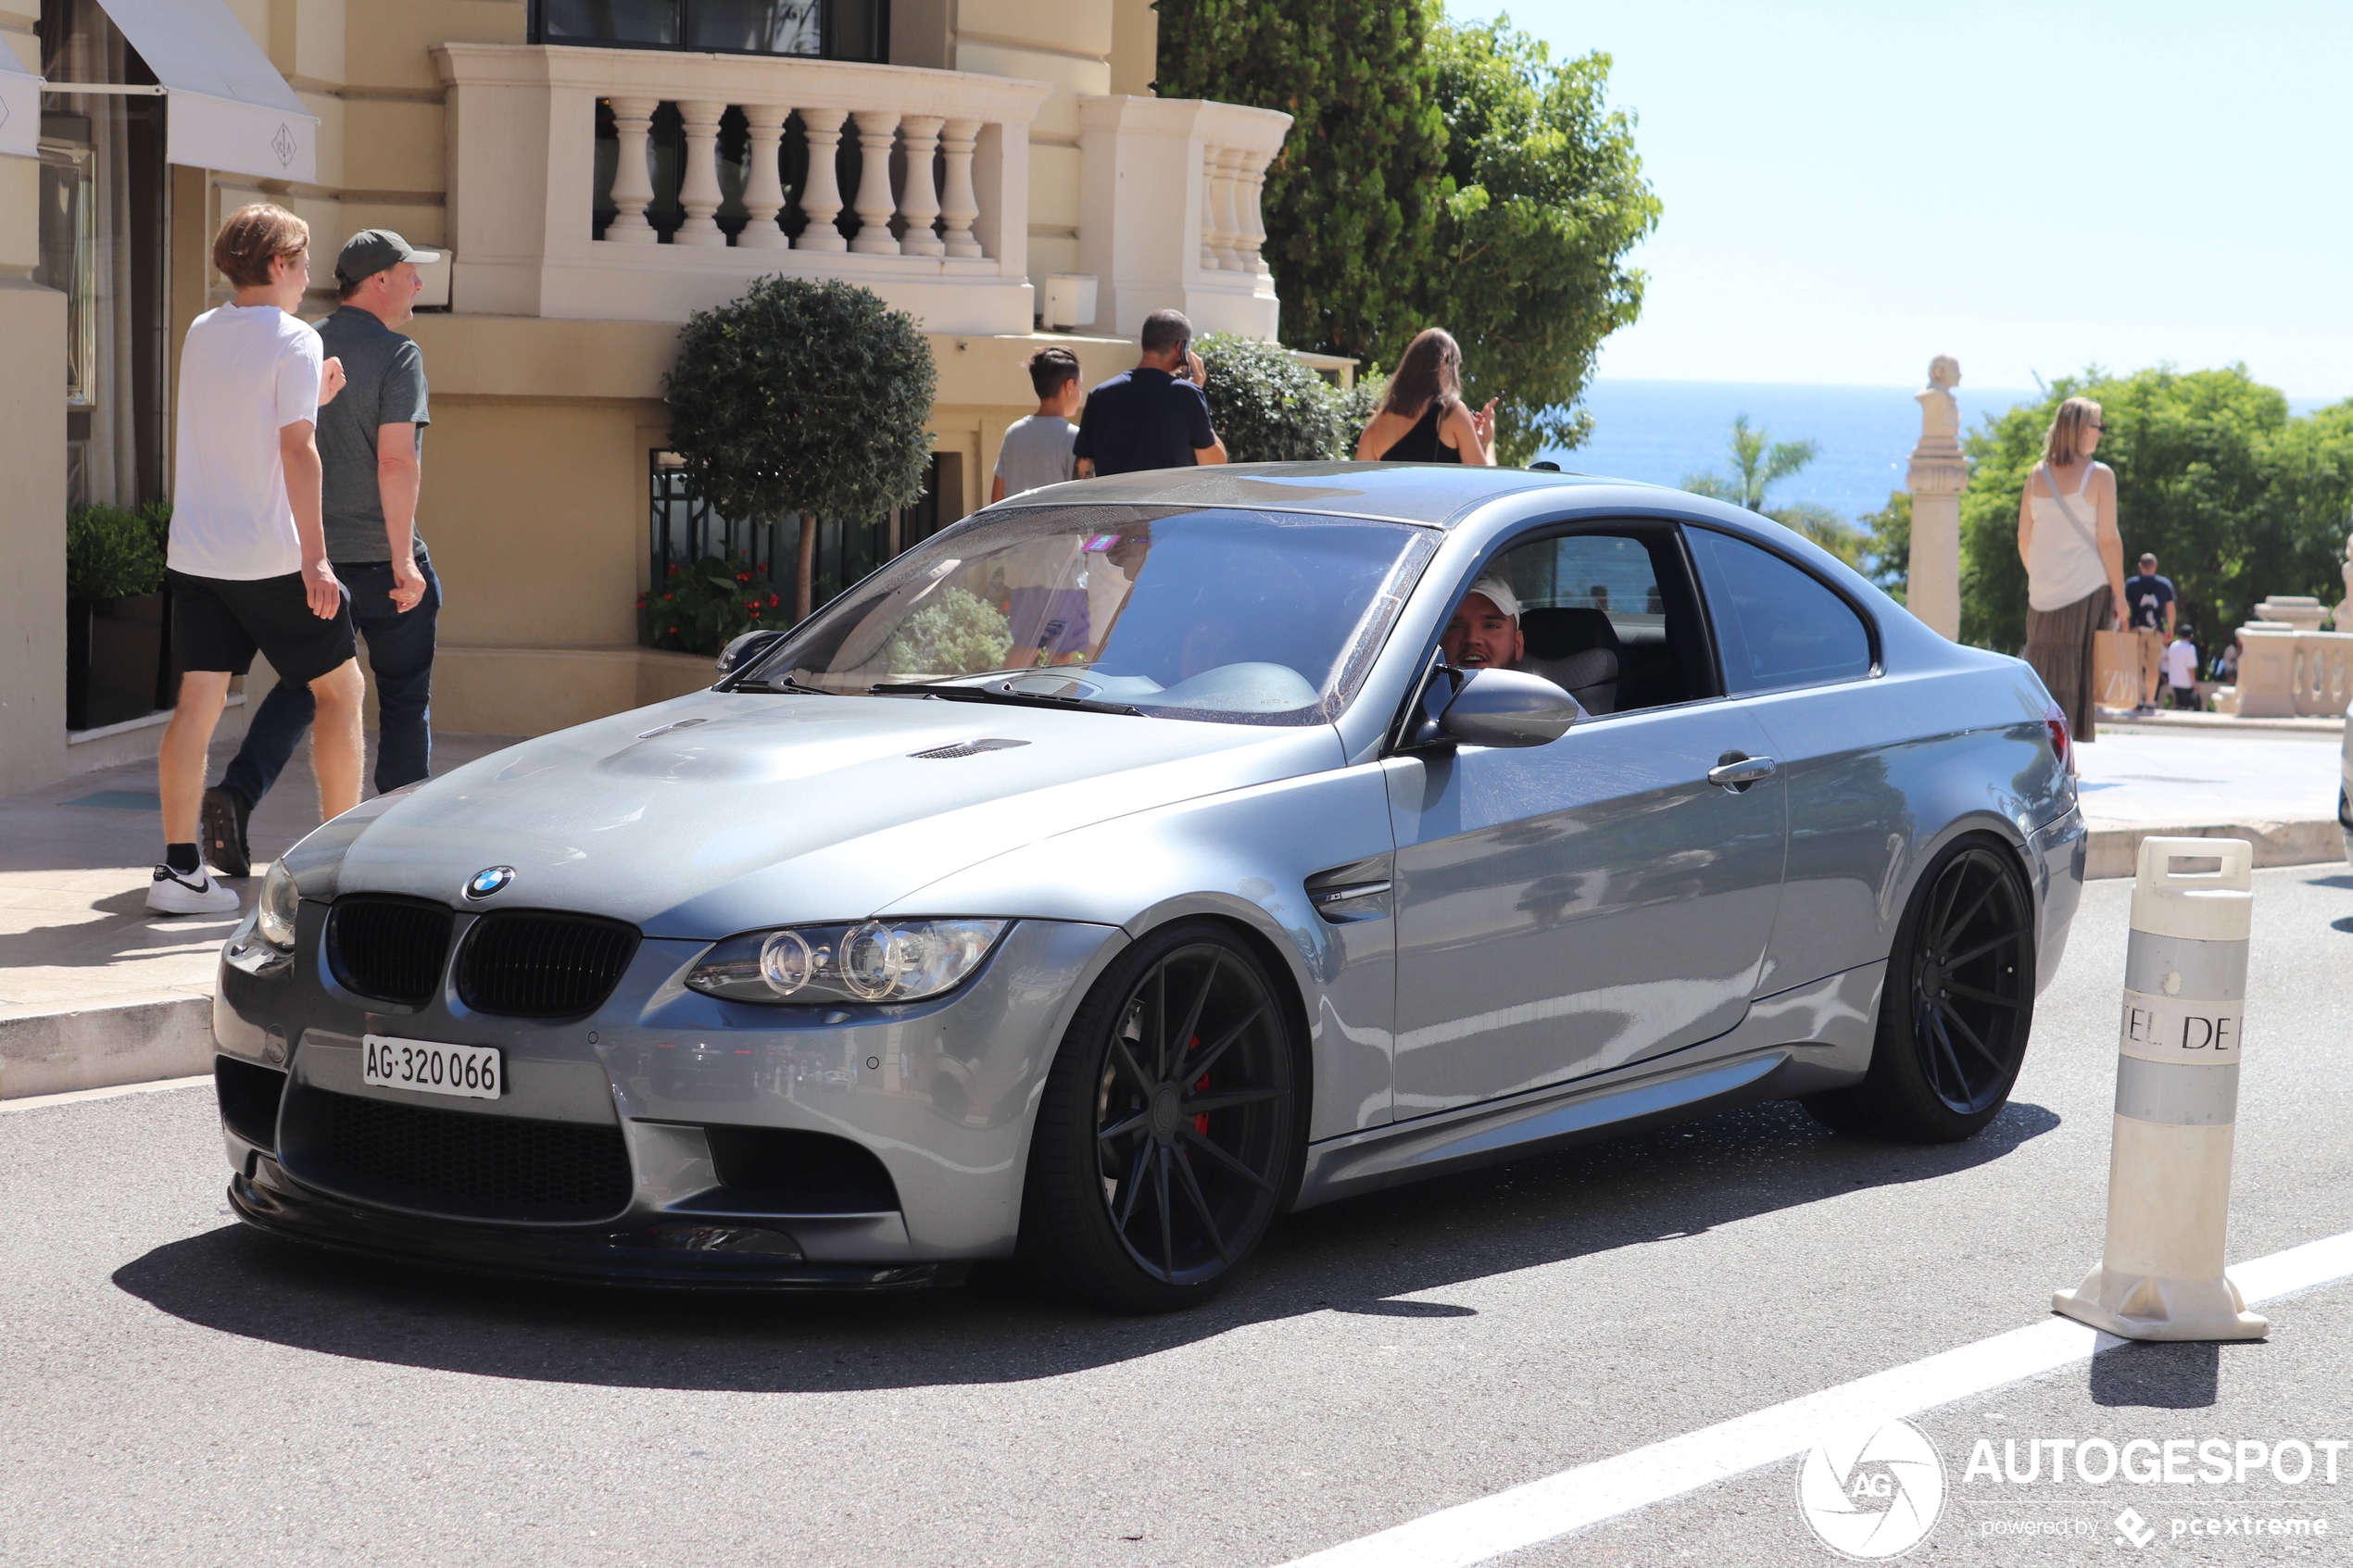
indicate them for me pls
(677, 1252)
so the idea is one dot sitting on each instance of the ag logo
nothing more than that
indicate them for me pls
(487, 881)
(1873, 1494)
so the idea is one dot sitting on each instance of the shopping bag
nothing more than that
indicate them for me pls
(2116, 670)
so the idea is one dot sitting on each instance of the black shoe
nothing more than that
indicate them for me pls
(224, 833)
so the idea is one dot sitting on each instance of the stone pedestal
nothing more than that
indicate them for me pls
(2293, 609)
(1937, 476)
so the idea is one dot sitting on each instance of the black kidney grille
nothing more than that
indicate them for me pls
(449, 1163)
(389, 949)
(528, 965)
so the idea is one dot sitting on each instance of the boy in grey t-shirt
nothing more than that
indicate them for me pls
(1037, 449)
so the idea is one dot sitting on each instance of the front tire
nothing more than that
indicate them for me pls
(1956, 1006)
(1169, 1136)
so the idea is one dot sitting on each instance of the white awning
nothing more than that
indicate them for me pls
(231, 110)
(20, 108)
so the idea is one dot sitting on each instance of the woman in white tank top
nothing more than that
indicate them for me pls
(2074, 557)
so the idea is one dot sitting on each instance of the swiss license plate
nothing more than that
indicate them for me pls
(473, 1071)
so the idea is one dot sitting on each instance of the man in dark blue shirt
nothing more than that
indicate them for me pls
(1154, 415)
(2151, 604)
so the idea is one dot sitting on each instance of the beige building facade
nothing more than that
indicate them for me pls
(596, 170)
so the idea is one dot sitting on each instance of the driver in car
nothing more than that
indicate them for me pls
(1485, 629)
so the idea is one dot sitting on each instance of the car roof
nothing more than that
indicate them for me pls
(1434, 494)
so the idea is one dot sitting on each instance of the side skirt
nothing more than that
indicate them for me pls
(1757, 1059)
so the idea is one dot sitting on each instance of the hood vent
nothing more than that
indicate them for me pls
(967, 749)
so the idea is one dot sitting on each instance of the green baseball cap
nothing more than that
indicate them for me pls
(370, 251)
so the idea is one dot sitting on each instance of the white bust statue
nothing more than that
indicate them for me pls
(1940, 414)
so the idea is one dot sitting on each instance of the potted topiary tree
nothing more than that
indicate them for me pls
(802, 398)
(118, 653)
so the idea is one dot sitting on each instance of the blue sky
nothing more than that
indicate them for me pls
(1851, 188)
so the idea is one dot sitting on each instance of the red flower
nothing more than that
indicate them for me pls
(772, 602)
(674, 569)
(743, 577)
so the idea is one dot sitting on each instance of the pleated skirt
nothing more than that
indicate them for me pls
(2058, 645)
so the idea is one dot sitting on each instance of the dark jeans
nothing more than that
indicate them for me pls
(399, 651)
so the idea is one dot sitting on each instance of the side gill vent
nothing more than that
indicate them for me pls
(967, 749)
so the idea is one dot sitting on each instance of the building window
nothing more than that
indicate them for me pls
(833, 30)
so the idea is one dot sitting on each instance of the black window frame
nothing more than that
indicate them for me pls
(1877, 667)
(828, 34)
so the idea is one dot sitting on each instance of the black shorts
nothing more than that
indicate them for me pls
(219, 624)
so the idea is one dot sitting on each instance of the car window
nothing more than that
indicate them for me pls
(1777, 625)
(1266, 617)
(1604, 615)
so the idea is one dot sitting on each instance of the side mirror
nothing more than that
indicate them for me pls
(741, 651)
(1507, 707)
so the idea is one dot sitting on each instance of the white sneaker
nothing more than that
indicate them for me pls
(173, 892)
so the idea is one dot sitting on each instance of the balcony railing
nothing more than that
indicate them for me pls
(639, 184)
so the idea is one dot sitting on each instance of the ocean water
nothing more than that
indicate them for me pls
(1659, 431)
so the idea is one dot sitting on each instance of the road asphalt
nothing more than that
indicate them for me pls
(175, 1389)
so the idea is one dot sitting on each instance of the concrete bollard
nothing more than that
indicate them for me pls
(2177, 1089)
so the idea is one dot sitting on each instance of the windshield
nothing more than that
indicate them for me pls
(1244, 617)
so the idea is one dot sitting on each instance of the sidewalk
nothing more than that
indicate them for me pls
(2277, 789)
(94, 990)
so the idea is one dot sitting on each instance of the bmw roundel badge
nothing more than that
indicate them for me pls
(488, 880)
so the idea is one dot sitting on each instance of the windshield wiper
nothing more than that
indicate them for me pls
(950, 692)
(781, 683)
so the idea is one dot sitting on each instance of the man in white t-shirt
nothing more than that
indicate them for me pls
(247, 566)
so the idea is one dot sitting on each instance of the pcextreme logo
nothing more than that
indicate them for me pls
(1872, 1493)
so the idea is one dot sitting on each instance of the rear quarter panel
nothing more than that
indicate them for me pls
(1883, 773)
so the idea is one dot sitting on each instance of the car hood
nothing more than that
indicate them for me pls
(721, 811)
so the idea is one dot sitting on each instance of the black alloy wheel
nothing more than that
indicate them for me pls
(1168, 1137)
(1957, 1005)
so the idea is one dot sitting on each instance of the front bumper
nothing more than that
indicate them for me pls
(668, 1250)
(942, 1095)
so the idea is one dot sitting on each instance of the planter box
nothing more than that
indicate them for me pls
(118, 661)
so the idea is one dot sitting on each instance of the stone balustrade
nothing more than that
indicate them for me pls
(1198, 249)
(2286, 670)
(645, 185)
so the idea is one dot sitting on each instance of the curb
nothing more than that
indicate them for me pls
(163, 1034)
(2115, 852)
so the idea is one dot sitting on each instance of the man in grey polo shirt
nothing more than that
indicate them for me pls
(370, 449)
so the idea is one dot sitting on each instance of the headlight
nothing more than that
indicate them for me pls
(872, 961)
(280, 901)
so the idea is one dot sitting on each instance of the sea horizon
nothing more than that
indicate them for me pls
(1660, 432)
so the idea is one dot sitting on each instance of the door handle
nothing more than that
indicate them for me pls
(1736, 771)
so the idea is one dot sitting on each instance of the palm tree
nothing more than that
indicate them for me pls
(1758, 463)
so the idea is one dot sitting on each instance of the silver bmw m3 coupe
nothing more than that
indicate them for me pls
(1141, 859)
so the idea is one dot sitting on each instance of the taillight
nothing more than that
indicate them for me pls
(2062, 741)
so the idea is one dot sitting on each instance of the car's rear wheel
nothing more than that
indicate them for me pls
(1168, 1134)
(1957, 1004)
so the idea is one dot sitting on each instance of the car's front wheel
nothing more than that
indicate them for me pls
(1168, 1134)
(1956, 1008)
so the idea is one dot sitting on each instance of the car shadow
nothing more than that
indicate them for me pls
(1364, 1256)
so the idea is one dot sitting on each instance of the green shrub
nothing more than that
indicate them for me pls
(114, 554)
(1270, 408)
(705, 604)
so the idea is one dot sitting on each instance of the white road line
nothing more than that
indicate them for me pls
(1526, 1515)
(37, 1102)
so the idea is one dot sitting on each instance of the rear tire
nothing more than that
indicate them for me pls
(1956, 1008)
(1169, 1134)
